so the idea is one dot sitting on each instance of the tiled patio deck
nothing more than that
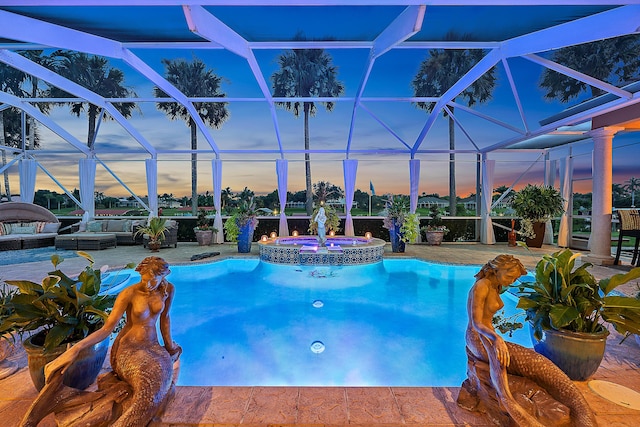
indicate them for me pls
(326, 406)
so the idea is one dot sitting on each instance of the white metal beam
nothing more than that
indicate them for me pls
(45, 120)
(607, 87)
(18, 61)
(18, 27)
(404, 26)
(484, 65)
(612, 23)
(211, 28)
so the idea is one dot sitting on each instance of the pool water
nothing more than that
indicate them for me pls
(395, 323)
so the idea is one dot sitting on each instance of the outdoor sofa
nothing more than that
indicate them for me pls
(26, 226)
(123, 229)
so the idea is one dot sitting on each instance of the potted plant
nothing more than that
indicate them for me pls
(332, 222)
(6, 338)
(536, 204)
(155, 229)
(56, 313)
(402, 225)
(204, 230)
(435, 230)
(241, 225)
(567, 309)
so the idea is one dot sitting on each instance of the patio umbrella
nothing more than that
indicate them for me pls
(87, 170)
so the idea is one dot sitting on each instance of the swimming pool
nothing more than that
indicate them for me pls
(394, 323)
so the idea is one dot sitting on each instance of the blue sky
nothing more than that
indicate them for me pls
(250, 124)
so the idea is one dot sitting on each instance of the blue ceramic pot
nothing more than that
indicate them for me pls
(577, 354)
(397, 245)
(80, 374)
(244, 239)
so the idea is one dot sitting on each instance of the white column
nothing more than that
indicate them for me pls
(600, 239)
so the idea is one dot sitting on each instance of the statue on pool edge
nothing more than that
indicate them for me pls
(320, 219)
(510, 383)
(144, 372)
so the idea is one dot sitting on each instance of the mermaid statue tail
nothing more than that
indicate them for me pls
(529, 364)
(500, 382)
(139, 390)
(525, 363)
(149, 373)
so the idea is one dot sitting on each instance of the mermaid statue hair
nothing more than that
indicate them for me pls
(152, 263)
(501, 262)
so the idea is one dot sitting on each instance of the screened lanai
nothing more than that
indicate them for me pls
(373, 133)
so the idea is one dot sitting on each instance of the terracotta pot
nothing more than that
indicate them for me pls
(80, 374)
(204, 237)
(434, 238)
(577, 354)
(512, 237)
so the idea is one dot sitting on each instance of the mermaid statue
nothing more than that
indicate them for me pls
(320, 219)
(137, 359)
(507, 361)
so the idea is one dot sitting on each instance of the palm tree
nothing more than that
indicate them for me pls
(93, 73)
(437, 73)
(46, 61)
(324, 189)
(612, 60)
(632, 185)
(193, 79)
(306, 72)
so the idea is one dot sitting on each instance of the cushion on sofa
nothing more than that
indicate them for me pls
(51, 227)
(39, 225)
(95, 226)
(118, 225)
(18, 229)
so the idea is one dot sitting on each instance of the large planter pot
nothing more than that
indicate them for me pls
(539, 229)
(397, 245)
(80, 374)
(244, 239)
(577, 354)
(434, 238)
(204, 237)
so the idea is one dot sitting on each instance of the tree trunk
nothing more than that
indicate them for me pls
(307, 161)
(452, 167)
(91, 113)
(4, 158)
(194, 168)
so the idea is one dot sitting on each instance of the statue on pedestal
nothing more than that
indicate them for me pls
(321, 218)
(509, 383)
(144, 372)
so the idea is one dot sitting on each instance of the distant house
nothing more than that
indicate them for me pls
(428, 201)
(126, 203)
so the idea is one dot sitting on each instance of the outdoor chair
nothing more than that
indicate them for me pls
(629, 227)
